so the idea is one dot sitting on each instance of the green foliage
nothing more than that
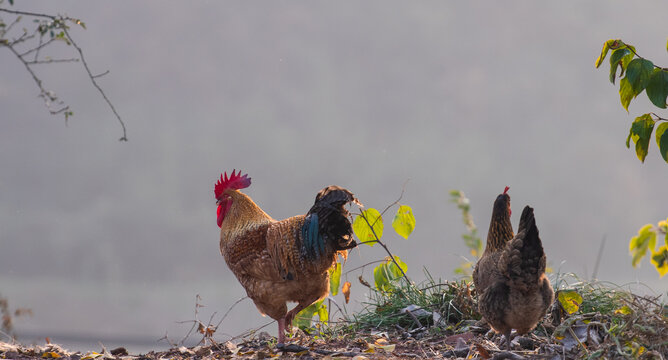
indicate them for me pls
(640, 75)
(641, 133)
(335, 278)
(447, 305)
(305, 317)
(368, 226)
(647, 240)
(619, 58)
(660, 260)
(404, 221)
(662, 139)
(657, 87)
(471, 238)
(387, 274)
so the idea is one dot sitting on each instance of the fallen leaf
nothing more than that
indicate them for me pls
(234, 349)
(482, 351)
(624, 310)
(91, 355)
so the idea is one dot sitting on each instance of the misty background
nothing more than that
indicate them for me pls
(111, 241)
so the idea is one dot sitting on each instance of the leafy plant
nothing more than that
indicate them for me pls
(471, 238)
(368, 226)
(639, 74)
(388, 272)
(443, 304)
(646, 240)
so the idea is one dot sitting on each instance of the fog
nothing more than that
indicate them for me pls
(111, 241)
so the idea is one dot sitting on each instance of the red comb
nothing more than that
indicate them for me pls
(506, 190)
(235, 181)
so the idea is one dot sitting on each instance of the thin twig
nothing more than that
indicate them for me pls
(38, 62)
(386, 248)
(102, 74)
(640, 57)
(37, 48)
(230, 309)
(60, 23)
(363, 266)
(598, 258)
(9, 28)
(659, 117)
(92, 79)
(16, 12)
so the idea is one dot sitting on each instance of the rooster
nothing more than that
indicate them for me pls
(287, 260)
(513, 291)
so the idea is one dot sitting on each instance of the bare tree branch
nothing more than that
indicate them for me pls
(47, 25)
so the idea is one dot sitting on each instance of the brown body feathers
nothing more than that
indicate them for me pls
(287, 260)
(513, 291)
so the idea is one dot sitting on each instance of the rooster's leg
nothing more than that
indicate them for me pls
(300, 306)
(281, 330)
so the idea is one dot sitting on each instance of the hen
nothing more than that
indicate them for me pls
(287, 260)
(513, 291)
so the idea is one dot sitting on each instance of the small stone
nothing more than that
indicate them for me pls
(119, 351)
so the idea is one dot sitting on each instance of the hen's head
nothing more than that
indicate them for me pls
(502, 203)
(235, 181)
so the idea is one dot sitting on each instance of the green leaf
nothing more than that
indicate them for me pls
(387, 272)
(663, 227)
(610, 44)
(363, 231)
(570, 300)
(323, 314)
(404, 221)
(660, 260)
(625, 93)
(640, 133)
(638, 73)
(303, 318)
(616, 60)
(646, 239)
(334, 278)
(662, 139)
(657, 87)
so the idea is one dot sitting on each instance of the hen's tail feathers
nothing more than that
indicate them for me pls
(327, 223)
(524, 260)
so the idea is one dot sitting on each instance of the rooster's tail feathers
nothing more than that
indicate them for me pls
(313, 243)
(327, 223)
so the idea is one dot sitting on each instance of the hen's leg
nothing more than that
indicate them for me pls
(507, 336)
